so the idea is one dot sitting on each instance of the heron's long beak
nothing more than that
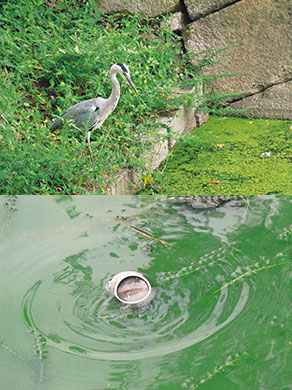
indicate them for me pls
(130, 82)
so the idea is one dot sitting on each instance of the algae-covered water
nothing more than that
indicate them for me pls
(220, 319)
(229, 155)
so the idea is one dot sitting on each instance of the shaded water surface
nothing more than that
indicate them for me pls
(221, 316)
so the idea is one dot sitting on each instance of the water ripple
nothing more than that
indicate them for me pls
(110, 331)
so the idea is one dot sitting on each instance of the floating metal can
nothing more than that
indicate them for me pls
(131, 288)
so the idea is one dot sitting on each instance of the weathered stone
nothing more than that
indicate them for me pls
(122, 184)
(259, 37)
(182, 121)
(201, 117)
(201, 202)
(159, 151)
(274, 102)
(199, 8)
(146, 7)
(175, 22)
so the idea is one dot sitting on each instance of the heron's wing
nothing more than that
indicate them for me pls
(83, 114)
(56, 124)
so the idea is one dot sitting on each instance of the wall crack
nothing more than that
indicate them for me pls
(211, 11)
(260, 90)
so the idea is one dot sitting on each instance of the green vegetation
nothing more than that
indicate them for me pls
(240, 156)
(56, 54)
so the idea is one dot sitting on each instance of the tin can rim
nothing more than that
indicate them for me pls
(128, 274)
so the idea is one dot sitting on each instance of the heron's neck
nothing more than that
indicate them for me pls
(115, 94)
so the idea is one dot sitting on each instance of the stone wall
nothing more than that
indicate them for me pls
(146, 7)
(259, 36)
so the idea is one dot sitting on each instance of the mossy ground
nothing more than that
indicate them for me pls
(230, 151)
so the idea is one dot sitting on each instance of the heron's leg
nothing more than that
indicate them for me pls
(89, 146)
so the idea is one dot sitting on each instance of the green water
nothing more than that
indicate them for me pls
(220, 319)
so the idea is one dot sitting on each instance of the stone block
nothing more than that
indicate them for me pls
(122, 184)
(259, 37)
(274, 102)
(181, 121)
(175, 22)
(199, 8)
(158, 152)
(146, 7)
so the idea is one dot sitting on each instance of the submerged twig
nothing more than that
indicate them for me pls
(11, 350)
(184, 273)
(142, 233)
(217, 370)
(248, 273)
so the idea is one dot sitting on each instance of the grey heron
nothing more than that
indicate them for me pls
(90, 114)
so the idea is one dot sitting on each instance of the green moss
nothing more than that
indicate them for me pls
(229, 150)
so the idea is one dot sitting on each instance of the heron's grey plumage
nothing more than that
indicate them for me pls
(83, 114)
(90, 114)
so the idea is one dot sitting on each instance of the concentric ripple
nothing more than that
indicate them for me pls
(98, 327)
(197, 294)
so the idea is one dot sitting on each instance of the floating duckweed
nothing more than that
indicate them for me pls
(196, 161)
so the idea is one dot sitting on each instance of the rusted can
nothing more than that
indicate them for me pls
(131, 288)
